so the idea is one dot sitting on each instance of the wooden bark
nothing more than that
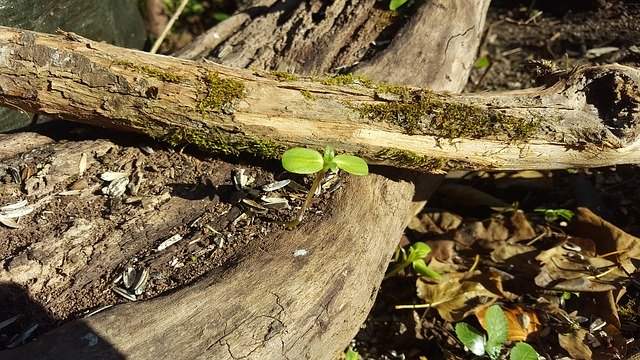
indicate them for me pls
(589, 117)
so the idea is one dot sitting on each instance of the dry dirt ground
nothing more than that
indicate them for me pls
(62, 232)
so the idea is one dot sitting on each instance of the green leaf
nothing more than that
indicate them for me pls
(471, 338)
(302, 161)
(351, 355)
(496, 324)
(352, 164)
(493, 349)
(220, 16)
(395, 4)
(421, 268)
(482, 63)
(418, 250)
(523, 351)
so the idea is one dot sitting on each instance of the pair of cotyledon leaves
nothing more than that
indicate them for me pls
(308, 161)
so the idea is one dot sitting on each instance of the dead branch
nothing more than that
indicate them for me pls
(587, 118)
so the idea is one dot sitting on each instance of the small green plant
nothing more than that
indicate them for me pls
(395, 4)
(415, 258)
(308, 161)
(497, 333)
(555, 214)
(351, 355)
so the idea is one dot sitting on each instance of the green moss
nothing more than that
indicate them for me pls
(409, 159)
(424, 112)
(150, 71)
(222, 143)
(307, 94)
(284, 76)
(71, 179)
(220, 92)
(346, 79)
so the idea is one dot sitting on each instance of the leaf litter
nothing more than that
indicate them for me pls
(567, 288)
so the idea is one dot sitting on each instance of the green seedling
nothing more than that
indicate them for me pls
(308, 161)
(395, 4)
(415, 258)
(555, 214)
(497, 333)
(351, 355)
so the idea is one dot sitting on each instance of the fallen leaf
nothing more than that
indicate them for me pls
(454, 297)
(608, 238)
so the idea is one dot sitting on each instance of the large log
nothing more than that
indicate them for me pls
(588, 117)
(296, 309)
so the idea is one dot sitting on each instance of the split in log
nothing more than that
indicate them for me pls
(589, 117)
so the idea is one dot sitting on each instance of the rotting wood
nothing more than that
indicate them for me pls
(589, 117)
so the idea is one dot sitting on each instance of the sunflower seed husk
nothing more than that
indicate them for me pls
(82, 166)
(255, 207)
(116, 188)
(239, 179)
(23, 337)
(111, 175)
(17, 205)
(129, 277)
(275, 203)
(8, 222)
(124, 293)
(9, 321)
(141, 283)
(170, 241)
(276, 185)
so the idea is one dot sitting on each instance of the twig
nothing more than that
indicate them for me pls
(173, 19)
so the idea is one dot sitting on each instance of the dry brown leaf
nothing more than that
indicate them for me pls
(441, 250)
(506, 251)
(568, 270)
(608, 238)
(575, 344)
(499, 228)
(454, 297)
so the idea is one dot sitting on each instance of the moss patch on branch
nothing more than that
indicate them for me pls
(150, 71)
(424, 112)
(215, 143)
(411, 160)
(220, 92)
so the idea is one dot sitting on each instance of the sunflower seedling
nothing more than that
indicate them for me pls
(308, 161)
(415, 258)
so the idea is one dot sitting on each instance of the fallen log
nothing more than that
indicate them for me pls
(588, 117)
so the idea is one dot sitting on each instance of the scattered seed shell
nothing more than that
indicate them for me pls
(239, 179)
(141, 282)
(111, 175)
(9, 321)
(8, 222)
(275, 203)
(129, 277)
(276, 185)
(116, 188)
(124, 293)
(170, 241)
(82, 166)
(255, 207)
(17, 205)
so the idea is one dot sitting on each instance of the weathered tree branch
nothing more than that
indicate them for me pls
(589, 117)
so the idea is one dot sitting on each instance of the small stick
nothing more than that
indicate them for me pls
(173, 19)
